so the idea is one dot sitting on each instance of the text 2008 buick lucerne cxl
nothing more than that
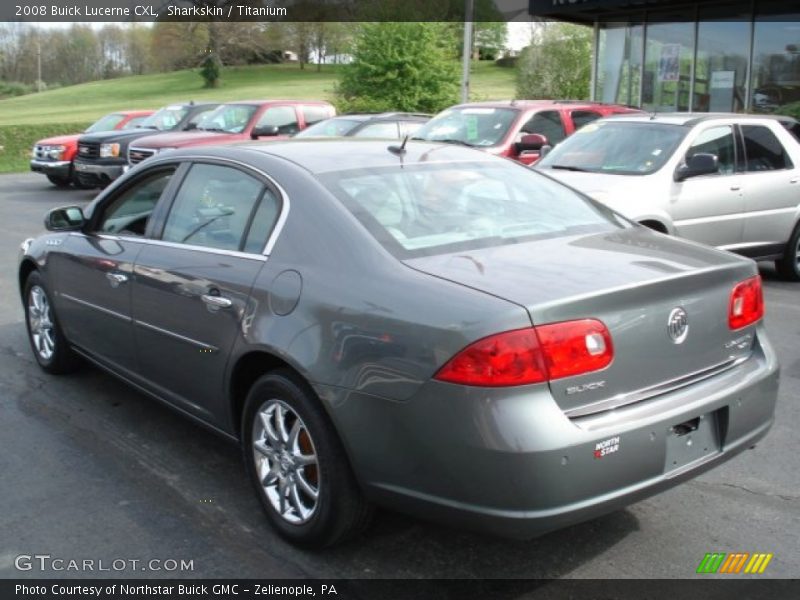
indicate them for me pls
(428, 328)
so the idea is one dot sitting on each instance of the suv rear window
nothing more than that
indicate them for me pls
(434, 209)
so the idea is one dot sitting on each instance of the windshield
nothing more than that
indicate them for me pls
(434, 209)
(470, 126)
(167, 118)
(106, 123)
(329, 128)
(618, 148)
(228, 118)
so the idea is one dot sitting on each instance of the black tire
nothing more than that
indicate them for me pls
(61, 182)
(789, 265)
(76, 181)
(340, 510)
(59, 358)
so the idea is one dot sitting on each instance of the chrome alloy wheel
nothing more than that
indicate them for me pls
(40, 322)
(286, 462)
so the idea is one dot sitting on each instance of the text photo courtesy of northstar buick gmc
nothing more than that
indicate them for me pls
(427, 328)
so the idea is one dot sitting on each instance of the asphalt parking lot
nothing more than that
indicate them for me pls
(91, 469)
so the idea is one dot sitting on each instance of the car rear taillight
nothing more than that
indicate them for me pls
(747, 303)
(532, 355)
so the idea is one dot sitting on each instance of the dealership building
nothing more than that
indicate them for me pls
(699, 56)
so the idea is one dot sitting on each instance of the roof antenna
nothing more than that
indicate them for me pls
(401, 149)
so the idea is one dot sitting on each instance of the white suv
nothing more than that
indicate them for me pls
(730, 181)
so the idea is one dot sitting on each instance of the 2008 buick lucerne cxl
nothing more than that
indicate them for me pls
(428, 328)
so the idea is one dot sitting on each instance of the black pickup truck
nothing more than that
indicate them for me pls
(102, 157)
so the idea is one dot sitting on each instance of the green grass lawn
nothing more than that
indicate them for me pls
(24, 119)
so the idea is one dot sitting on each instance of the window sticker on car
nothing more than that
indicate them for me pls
(472, 128)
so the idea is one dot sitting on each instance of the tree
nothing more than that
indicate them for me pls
(557, 64)
(400, 66)
(210, 69)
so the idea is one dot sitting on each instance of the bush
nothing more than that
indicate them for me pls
(400, 66)
(557, 65)
(15, 88)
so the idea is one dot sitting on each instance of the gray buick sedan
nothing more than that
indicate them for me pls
(427, 327)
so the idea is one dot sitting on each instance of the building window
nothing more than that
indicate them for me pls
(619, 65)
(668, 63)
(776, 58)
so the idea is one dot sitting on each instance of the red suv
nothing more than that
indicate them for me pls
(516, 129)
(237, 121)
(53, 156)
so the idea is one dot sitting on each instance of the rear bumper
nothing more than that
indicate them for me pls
(57, 168)
(511, 463)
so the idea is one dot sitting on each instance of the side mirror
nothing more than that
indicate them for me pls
(699, 164)
(264, 131)
(532, 142)
(65, 218)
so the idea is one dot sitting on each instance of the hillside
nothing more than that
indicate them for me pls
(24, 119)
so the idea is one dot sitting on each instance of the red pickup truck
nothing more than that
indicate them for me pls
(237, 121)
(516, 129)
(53, 156)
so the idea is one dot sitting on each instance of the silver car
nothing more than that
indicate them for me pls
(428, 328)
(730, 181)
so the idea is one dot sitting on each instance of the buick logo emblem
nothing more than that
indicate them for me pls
(678, 325)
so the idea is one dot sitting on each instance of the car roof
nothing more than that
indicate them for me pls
(527, 104)
(320, 155)
(279, 101)
(688, 119)
(384, 115)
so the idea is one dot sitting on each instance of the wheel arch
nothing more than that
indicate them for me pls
(26, 267)
(655, 225)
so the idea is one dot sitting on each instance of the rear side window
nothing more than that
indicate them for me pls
(763, 151)
(547, 123)
(315, 114)
(584, 117)
(213, 207)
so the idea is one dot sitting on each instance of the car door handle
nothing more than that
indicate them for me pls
(115, 279)
(736, 188)
(217, 301)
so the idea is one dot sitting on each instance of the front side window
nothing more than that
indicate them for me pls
(584, 117)
(433, 209)
(547, 123)
(228, 118)
(719, 142)
(213, 208)
(616, 148)
(282, 117)
(763, 151)
(129, 212)
(478, 126)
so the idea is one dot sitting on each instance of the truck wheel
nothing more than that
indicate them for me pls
(298, 466)
(789, 265)
(76, 181)
(57, 181)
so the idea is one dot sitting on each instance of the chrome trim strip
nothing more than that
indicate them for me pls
(176, 336)
(148, 241)
(95, 307)
(50, 163)
(658, 389)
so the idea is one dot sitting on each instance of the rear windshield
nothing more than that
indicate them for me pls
(477, 126)
(434, 209)
(329, 128)
(616, 147)
(107, 123)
